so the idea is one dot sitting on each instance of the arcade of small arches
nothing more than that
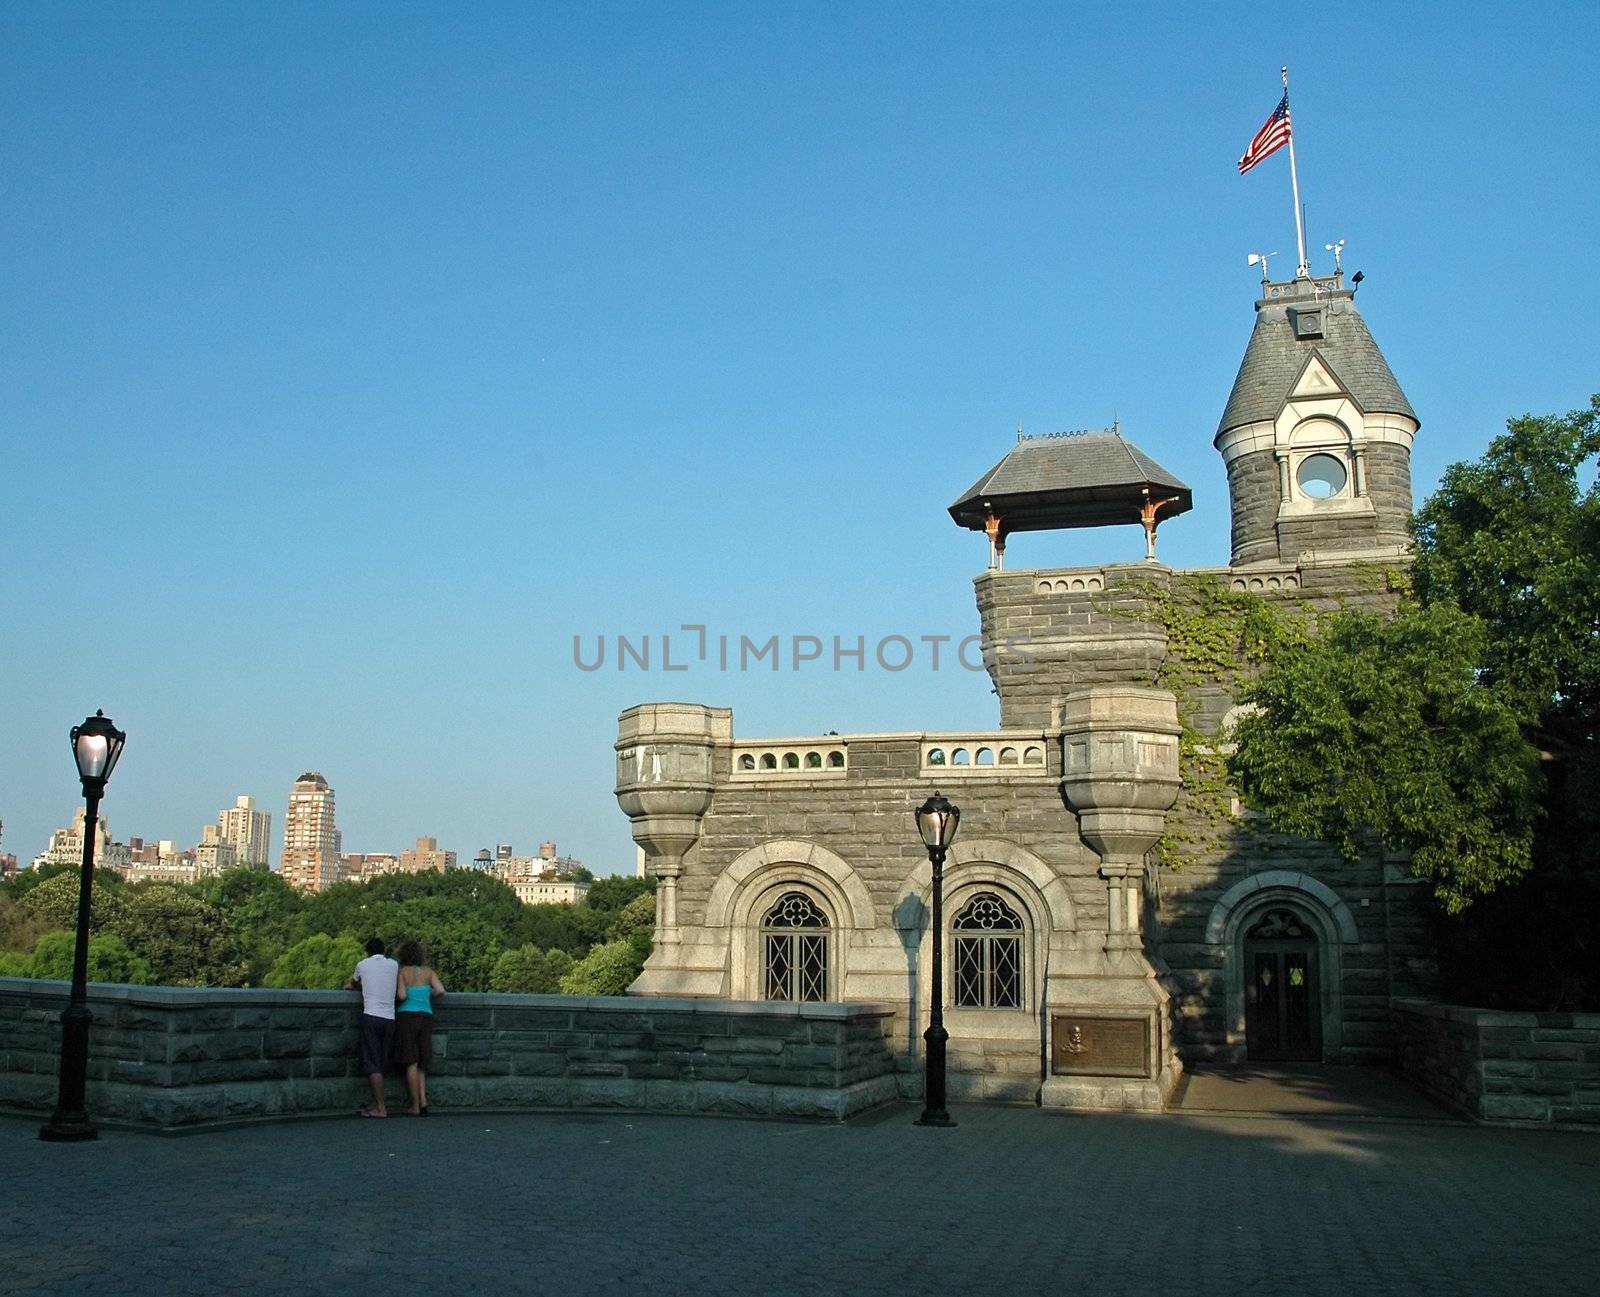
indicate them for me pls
(791, 760)
(1029, 755)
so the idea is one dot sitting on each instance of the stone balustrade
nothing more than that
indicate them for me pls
(1068, 580)
(172, 1058)
(985, 754)
(819, 757)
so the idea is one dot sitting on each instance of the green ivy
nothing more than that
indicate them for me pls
(1214, 636)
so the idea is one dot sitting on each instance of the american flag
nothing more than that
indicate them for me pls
(1270, 138)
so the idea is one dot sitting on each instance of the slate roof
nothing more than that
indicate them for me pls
(1273, 360)
(1073, 479)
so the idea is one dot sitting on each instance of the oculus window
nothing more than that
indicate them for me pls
(1322, 476)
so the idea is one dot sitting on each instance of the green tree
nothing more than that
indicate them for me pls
(530, 970)
(20, 926)
(27, 879)
(1513, 539)
(109, 959)
(183, 939)
(56, 901)
(608, 969)
(1384, 727)
(259, 908)
(611, 894)
(318, 963)
(463, 918)
(1421, 730)
(638, 915)
(15, 963)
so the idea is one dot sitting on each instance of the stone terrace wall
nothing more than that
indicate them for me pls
(1539, 1069)
(171, 1058)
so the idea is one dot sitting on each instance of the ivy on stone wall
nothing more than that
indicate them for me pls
(1216, 637)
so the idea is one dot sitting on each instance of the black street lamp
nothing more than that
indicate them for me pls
(96, 745)
(937, 820)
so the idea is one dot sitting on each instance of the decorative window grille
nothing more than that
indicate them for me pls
(794, 943)
(988, 954)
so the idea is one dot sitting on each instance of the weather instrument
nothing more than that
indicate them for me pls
(1260, 259)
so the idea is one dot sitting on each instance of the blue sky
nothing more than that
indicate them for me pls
(358, 357)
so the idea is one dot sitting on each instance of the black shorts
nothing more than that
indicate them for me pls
(376, 1036)
(413, 1041)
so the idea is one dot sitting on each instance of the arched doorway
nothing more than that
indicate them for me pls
(1283, 1015)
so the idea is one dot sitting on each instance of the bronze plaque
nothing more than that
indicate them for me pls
(1085, 1046)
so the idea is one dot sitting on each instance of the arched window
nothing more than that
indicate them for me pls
(988, 954)
(794, 949)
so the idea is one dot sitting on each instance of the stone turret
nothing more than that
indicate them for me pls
(665, 776)
(1316, 434)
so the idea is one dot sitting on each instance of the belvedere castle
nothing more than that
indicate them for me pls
(1111, 909)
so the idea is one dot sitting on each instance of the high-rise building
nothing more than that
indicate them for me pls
(66, 846)
(426, 855)
(362, 867)
(310, 839)
(215, 854)
(248, 831)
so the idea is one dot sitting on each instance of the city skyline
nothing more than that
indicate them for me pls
(496, 332)
(241, 825)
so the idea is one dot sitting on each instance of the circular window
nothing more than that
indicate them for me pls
(1321, 476)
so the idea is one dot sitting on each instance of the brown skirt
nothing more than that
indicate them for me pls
(413, 1039)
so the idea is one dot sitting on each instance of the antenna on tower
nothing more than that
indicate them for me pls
(1337, 248)
(1260, 259)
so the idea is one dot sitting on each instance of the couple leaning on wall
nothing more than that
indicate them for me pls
(397, 999)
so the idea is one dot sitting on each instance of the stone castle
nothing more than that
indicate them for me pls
(1110, 908)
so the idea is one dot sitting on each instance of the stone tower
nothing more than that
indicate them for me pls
(1316, 434)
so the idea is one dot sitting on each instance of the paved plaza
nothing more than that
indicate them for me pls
(1013, 1201)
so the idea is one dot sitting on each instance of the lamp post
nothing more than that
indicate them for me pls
(937, 820)
(96, 745)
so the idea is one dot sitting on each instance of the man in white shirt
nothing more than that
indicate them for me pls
(375, 977)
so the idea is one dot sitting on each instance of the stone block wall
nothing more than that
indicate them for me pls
(1389, 485)
(171, 1058)
(1040, 645)
(1524, 1069)
(1253, 491)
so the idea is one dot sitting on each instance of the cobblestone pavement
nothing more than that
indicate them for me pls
(1013, 1201)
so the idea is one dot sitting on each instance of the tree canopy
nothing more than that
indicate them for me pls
(1426, 730)
(1383, 726)
(318, 963)
(248, 927)
(1513, 539)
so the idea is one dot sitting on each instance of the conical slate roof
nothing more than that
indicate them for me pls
(1293, 322)
(1070, 479)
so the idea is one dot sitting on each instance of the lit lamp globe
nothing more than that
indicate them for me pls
(96, 747)
(937, 821)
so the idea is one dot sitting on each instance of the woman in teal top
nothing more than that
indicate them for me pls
(417, 989)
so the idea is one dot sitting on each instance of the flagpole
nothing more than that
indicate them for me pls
(1294, 180)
